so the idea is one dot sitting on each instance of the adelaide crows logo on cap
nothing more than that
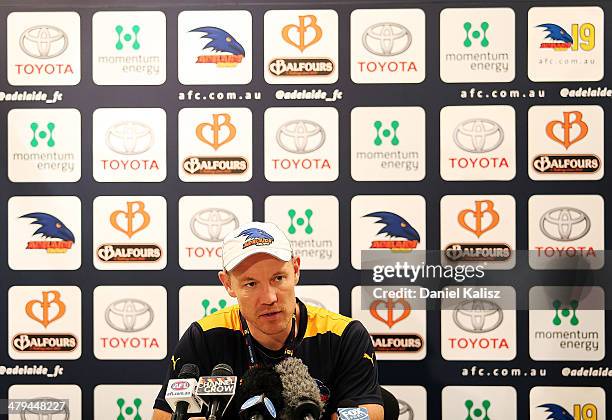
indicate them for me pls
(255, 237)
(50, 227)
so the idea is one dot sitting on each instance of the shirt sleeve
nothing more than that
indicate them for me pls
(356, 372)
(186, 351)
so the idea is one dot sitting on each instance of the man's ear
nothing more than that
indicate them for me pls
(225, 280)
(296, 268)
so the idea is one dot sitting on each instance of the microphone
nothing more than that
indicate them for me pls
(300, 391)
(350, 410)
(180, 392)
(260, 394)
(217, 390)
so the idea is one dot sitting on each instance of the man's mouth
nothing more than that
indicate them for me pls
(270, 315)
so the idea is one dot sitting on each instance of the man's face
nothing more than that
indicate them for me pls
(265, 289)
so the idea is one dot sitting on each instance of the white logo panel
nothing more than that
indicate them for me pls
(388, 143)
(129, 145)
(477, 45)
(326, 297)
(44, 233)
(130, 322)
(480, 324)
(129, 402)
(196, 302)
(388, 46)
(565, 43)
(478, 229)
(203, 223)
(566, 142)
(310, 222)
(301, 46)
(566, 232)
(301, 144)
(477, 143)
(44, 322)
(387, 225)
(215, 47)
(397, 327)
(44, 145)
(129, 48)
(479, 402)
(64, 402)
(579, 403)
(215, 144)
(566, 323)
(43, 48)
(129, 233)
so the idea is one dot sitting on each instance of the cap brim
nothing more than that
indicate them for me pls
(281, 254)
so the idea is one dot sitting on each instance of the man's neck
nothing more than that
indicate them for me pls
(277, 341)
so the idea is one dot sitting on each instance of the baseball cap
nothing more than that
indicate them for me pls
(254, 238)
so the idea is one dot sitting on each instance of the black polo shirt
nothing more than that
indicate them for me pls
(337, 350)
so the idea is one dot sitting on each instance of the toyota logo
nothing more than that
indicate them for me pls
(300, 136)
(404, 408)
(129, 315)
(213, 224)
(565, 224)
(43, 41)
(478, 316)
(478, 135)
(386, 39)
(45, 408)
(129, 138)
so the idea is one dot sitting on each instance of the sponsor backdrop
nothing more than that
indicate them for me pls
(135, 137)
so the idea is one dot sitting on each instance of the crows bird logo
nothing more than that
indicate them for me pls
(254, 236)
(220, 41)
(50, 227)
(556, 412)
(558, 34)
(395, 226)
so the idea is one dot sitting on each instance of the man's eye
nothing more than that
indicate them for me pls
(250, 284)
(279, 278)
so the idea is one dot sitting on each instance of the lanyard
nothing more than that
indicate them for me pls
(288, 346)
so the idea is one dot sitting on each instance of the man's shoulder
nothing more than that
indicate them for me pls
(227, 318)
(321, 321)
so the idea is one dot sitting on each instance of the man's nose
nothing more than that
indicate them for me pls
(269, 295)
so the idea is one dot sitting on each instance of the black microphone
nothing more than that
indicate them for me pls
(180, 393)
(300, 391)
(260, 394)
(217, 390)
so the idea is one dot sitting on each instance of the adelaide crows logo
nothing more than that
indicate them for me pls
(559, 37)
(395, 227)
(50, 227)
(225, 51)
(254, 236)
(556, 412)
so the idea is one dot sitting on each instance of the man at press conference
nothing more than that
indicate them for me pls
(270, 324)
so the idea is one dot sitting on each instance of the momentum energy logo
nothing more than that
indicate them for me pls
(384, 49)
(129, 48)
(43, 48)
(44, 145)
(477, 45)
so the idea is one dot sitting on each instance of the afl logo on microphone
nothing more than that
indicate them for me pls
(180, 386)
(43, 41)
(565, 224)
(386, 39)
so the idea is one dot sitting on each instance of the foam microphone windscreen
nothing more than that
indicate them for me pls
(222, 369)
(298, 385)
(258, 381)
(189, 370)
